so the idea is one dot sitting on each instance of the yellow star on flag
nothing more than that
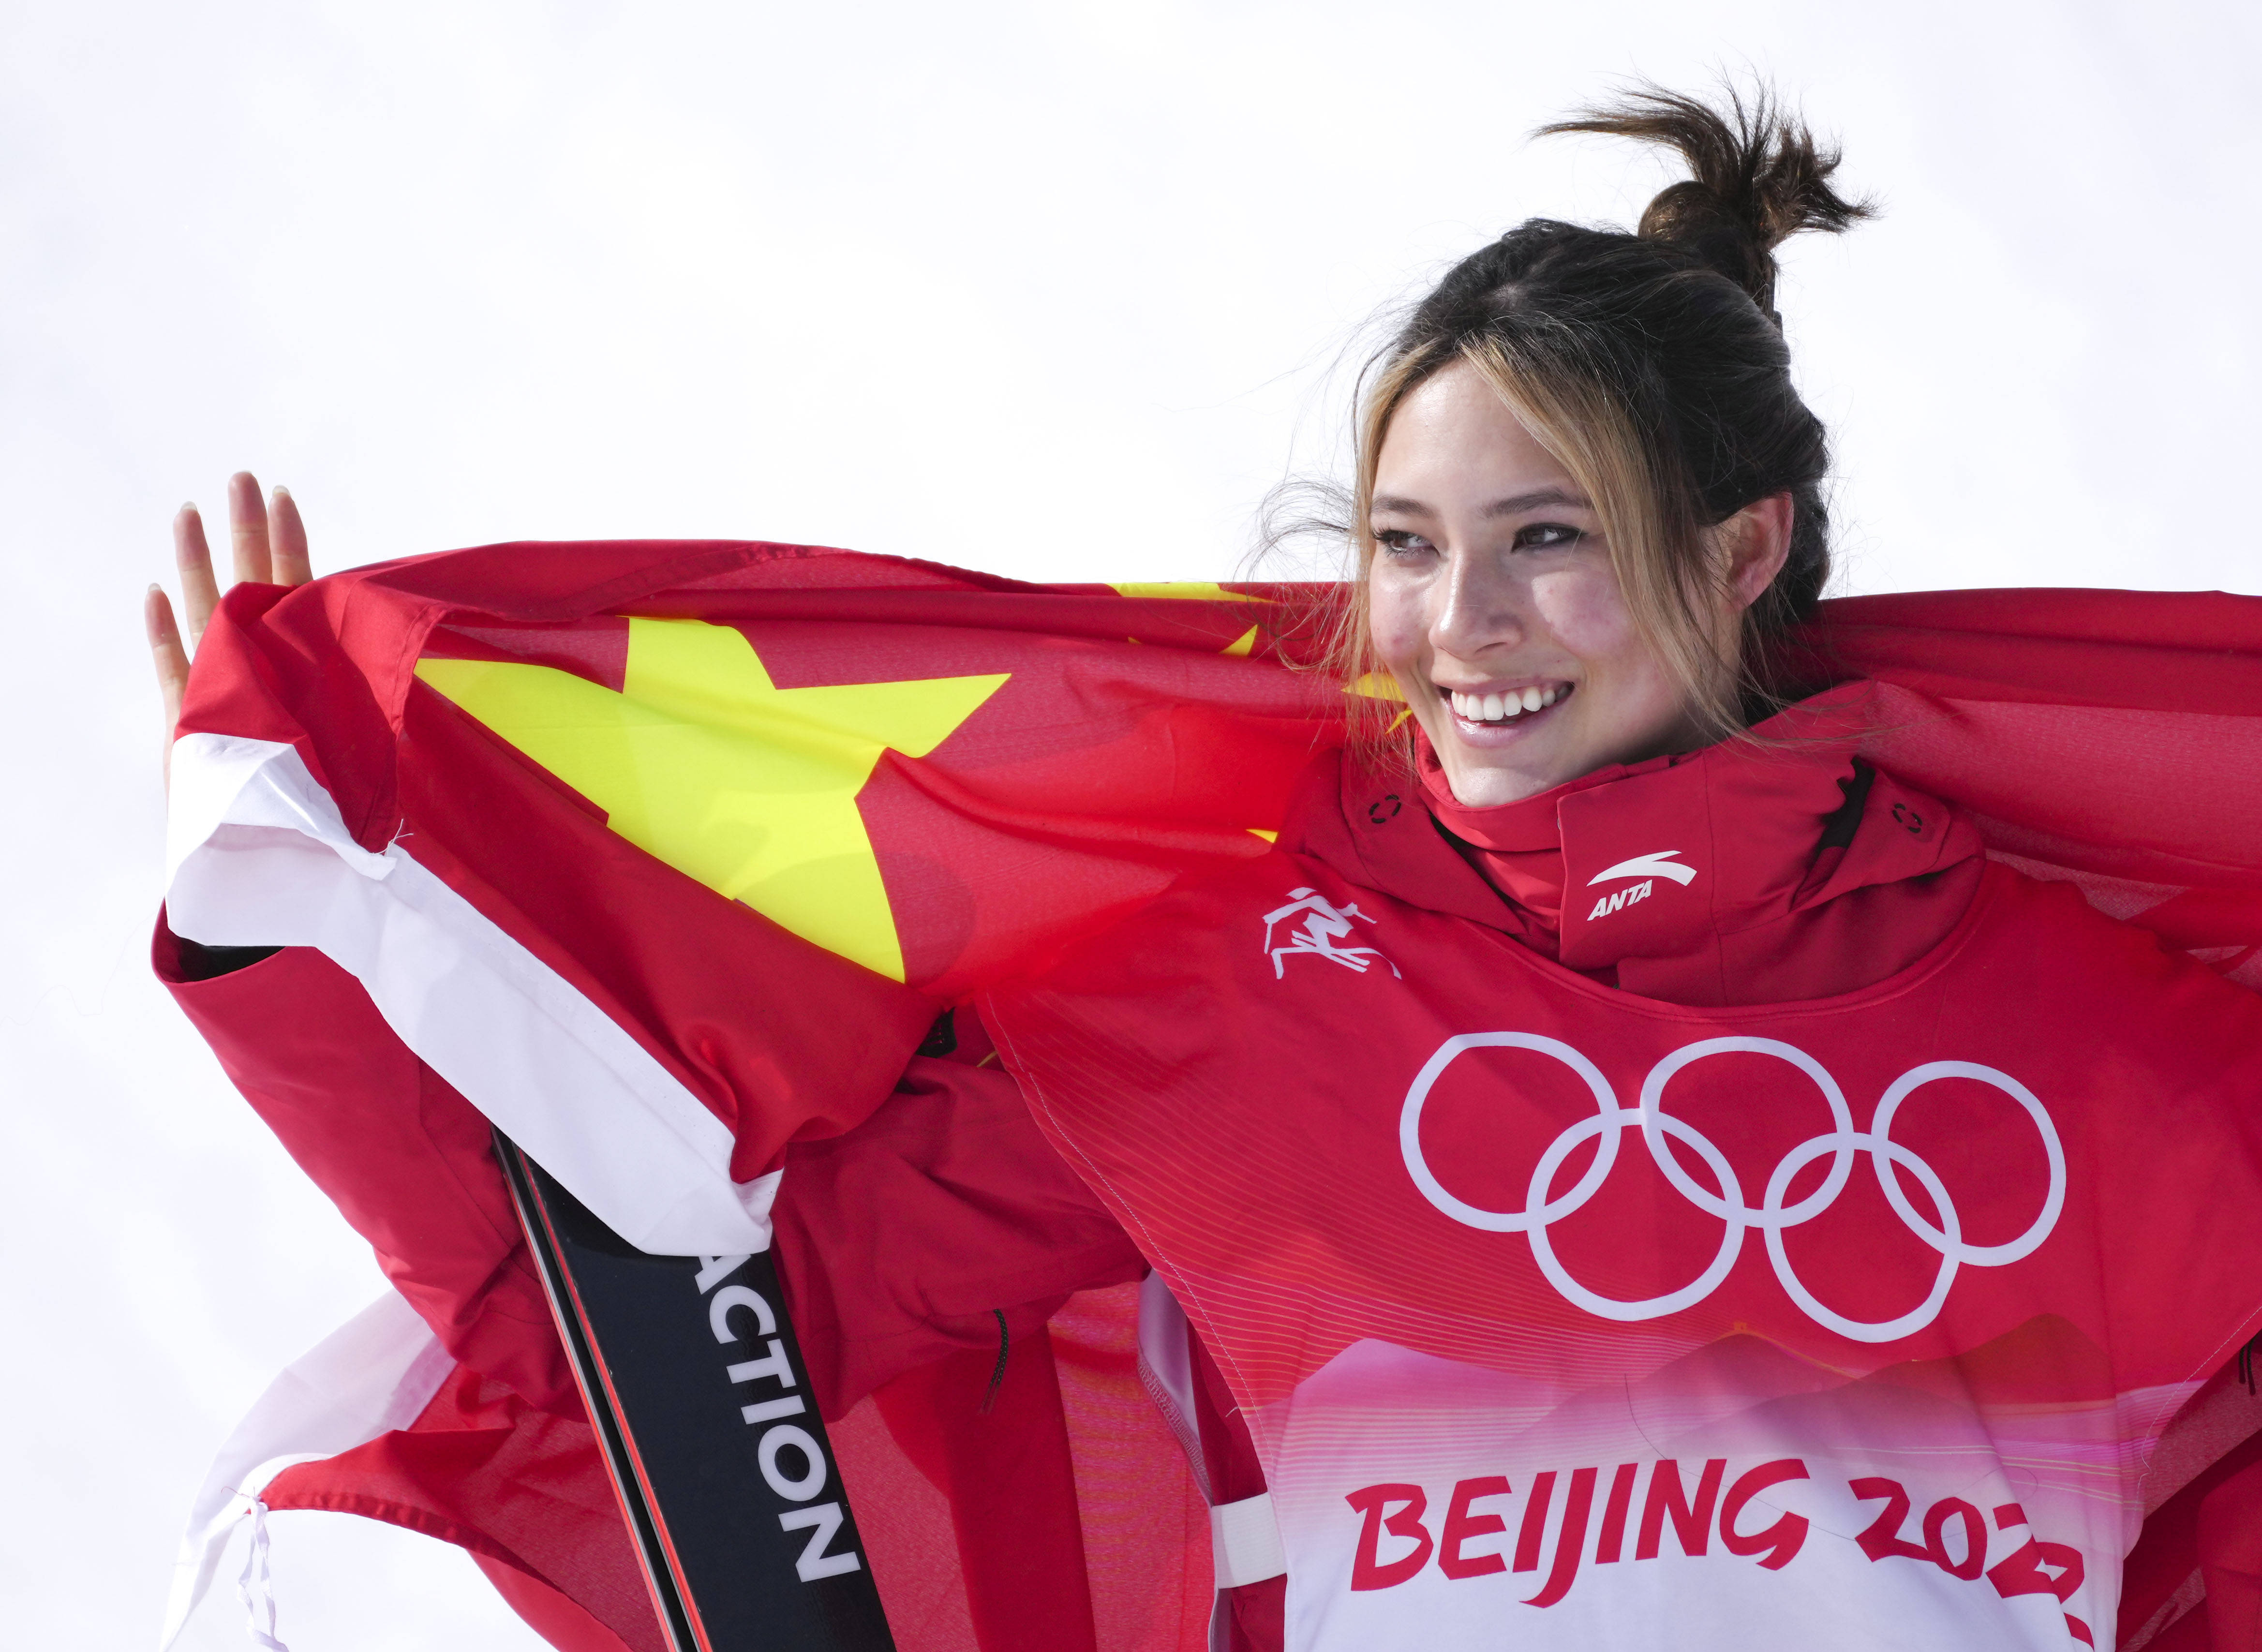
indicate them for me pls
(1184, 590)
(704, 762)
(1196, 591)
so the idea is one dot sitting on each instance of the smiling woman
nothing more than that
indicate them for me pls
(1496, 604)
(1648, 1145)
(1587, 544)
(1588, 494)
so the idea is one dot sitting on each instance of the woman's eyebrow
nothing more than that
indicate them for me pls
(1514, 505)
(1517, 504)
(1400, 506)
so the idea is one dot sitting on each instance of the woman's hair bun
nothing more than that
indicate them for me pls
(1760, 178)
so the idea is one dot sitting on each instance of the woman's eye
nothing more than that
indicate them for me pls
(1547, 535)
(1399, 542)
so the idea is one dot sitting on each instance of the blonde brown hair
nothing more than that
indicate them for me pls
(1651, 366)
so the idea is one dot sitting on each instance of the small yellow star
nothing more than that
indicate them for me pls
(1196, 591)
(1184, 590)
(704, 762)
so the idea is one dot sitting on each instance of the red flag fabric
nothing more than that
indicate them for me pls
(663, 857)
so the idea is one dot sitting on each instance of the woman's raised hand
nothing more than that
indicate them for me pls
(269, 546)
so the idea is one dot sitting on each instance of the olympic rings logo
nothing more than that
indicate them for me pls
(1888, 1158)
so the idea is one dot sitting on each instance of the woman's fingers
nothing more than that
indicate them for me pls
(270, 548)
(247, 529)
(287, 541)
(170, 657)
(192, 557)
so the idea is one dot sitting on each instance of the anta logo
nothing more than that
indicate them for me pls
(1620, 898)
(1648, 869)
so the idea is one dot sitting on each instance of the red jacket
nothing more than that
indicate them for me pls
(1391, 1162)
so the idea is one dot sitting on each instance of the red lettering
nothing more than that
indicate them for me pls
(1368, 1569)
(1882, 1539)
(1612, 1538)
(1534, 1528)
(1570, 1541)
(1778, 1542)
(1975, 1537)
(1461, 1526)
(1692, 1519)
(2021, 1571)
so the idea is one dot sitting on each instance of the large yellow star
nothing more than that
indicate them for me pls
(703, 761)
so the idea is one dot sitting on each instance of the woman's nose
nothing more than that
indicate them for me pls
(1479, 606)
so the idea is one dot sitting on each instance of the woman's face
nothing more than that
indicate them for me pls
(1494, 606)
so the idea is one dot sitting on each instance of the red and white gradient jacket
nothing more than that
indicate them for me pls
(1743, 1194)
(1829, 1277)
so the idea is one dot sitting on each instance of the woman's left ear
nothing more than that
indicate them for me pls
(1757, 539)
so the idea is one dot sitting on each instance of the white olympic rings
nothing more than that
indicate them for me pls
(1542, 1207)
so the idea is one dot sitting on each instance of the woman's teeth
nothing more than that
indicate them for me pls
(1499, 708)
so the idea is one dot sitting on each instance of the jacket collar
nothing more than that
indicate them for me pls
(1657, 860)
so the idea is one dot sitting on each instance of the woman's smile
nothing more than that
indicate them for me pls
(1490, 714)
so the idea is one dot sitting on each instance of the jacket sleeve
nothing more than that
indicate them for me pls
(944, 1223)
(406, 1158)
(922, 1254)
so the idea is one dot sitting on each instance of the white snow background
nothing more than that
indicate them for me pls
(1056, 290)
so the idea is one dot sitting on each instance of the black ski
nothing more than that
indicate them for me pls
(695, 1385)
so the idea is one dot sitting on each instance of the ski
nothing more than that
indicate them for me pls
(695, 1386)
